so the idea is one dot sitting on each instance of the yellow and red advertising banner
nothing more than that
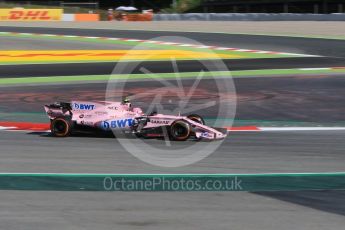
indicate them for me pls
(17, 14)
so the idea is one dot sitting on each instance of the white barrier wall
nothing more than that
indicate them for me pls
(249, 17)
(68, 17)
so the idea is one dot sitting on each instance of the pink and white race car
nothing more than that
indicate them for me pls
(122, 117)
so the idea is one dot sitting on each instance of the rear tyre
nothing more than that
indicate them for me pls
(180, 130)
(196, 118)
(60, 127)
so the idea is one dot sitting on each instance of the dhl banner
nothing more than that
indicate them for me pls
(31, 14)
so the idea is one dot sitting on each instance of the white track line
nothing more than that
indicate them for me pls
(6, 128)
(307, 69)
(287, 129)
(301, 128)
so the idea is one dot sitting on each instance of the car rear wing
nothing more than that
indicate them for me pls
(58, 109)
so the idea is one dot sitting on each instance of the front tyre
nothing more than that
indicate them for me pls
(180, 130)
(60, 127)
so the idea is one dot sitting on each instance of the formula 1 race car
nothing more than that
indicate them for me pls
(122, 117)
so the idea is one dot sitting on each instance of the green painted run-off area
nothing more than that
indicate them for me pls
(173, 182)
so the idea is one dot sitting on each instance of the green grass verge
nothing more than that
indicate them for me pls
(234, 74)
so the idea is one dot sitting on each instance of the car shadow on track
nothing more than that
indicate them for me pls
(104, 135)
(77, 134)
(327, 201)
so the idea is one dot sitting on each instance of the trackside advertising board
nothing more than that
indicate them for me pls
(31, 14)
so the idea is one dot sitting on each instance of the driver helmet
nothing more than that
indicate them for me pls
(126, 101)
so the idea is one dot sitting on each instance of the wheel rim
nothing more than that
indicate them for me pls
(180, 131)
(60, 127)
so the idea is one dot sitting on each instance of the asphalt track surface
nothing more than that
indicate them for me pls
(241, 153)
(101, 68)
(247, 152)
(256, 152)
(15, 43)
(189, 210)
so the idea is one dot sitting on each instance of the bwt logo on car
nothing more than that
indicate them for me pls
(84, 106)
(123, 123)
